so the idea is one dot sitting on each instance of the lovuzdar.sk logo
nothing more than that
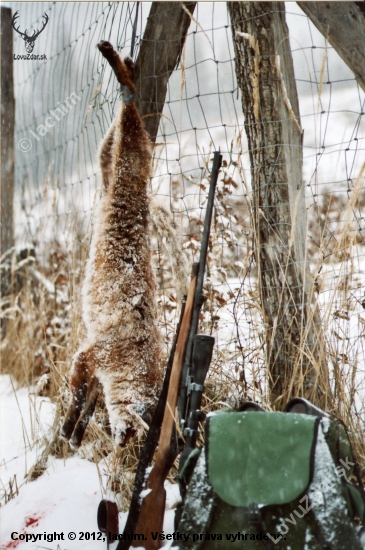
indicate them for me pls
(29, 39)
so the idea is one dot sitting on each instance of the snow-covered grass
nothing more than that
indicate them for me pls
(25, 421)
(65, 498)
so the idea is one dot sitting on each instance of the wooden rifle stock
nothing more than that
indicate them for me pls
(153, 505)
(148, 450)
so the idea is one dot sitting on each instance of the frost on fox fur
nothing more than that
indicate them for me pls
(122, 348)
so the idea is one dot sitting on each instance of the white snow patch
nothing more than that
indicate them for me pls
(65, 498)
(25, 419)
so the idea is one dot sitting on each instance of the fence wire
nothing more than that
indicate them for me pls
(58, 176)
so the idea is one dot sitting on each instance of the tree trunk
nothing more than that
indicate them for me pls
(265, 74)
(7, 132)
(159, 54)
(343, 25)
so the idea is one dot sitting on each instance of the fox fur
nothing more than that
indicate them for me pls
(122, 348)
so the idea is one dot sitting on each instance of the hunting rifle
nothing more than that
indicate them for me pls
(187, 369)
(199, 348)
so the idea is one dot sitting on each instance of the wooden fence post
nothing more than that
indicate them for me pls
(7, 132)
(159, 54)
(343, 25)
(265, 74)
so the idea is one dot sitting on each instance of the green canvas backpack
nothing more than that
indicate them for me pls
(268, 480)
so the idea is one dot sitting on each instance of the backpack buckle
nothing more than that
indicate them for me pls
(254, 516)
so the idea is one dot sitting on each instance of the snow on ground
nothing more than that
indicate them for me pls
(65, 498)
(24, 420)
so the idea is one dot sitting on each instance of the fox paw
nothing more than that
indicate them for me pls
(135, 419)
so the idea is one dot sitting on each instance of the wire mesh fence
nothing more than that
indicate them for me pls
(64, 106)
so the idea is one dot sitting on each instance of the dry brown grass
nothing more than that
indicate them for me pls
(36, 322)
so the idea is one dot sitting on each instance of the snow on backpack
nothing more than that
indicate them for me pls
(268, 480)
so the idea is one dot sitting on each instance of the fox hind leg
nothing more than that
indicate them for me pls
(82, 375)
(124, 71)
(93, 390)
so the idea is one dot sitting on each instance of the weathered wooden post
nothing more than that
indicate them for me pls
(159, 54)
(7, 132)
(265, 74)
(343, 25)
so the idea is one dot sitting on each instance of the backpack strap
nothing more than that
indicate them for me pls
(198, 506)
(333, 523)
(355, 492)
(256, 520)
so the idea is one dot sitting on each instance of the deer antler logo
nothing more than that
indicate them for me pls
(29, 40)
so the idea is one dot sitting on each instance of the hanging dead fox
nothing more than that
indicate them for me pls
(122, 348)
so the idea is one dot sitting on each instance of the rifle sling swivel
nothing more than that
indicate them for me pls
(195, 387)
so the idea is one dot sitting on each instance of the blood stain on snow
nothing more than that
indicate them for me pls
(10, 544)
(29, 521)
